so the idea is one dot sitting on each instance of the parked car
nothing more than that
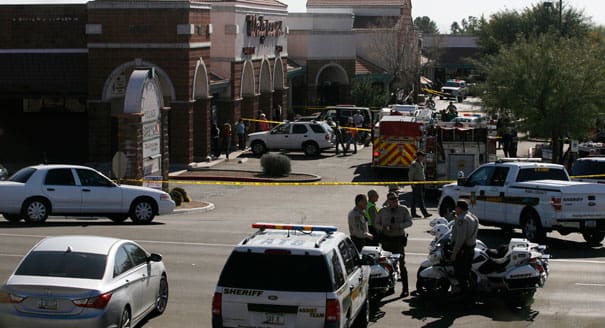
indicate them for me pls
(35, 192)
(84, 281)
(3, 172)
(342, 113)
(309, 136)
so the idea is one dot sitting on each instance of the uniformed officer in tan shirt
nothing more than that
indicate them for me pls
(416, 174)
(358, 223)
(464, 239)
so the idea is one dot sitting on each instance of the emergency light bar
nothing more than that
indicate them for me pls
(299, 227)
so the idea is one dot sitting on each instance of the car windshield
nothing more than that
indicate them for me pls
(299, 273)
(588, 168)
(452, 84)
(63, 264)
(22, 175)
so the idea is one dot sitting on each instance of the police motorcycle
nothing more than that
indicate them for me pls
(384, 272)
(513, 271)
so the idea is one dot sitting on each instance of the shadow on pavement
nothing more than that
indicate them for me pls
(72, 223)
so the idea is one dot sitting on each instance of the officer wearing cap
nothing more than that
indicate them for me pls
(416, 174)
(464, 238)
(391, 223)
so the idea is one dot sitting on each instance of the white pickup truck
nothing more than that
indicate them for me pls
(536, 197)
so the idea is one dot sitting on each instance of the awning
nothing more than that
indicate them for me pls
(425, 80)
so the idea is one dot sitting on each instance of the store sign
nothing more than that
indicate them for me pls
(257, 26)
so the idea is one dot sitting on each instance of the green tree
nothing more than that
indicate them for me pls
(367, 94)
(505, 27)
(468, 25)
(425, 25)
(555, 86)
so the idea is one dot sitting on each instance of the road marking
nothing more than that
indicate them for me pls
(592, 285)
(10, 255)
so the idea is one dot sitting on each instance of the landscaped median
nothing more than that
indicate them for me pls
(239, 175)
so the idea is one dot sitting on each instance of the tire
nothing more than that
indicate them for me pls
(446, 207)
(12, 217)
(311, 149)
(363, 317)
(432, 287)
(162, 299)
(125, 319)
(118, 218)
(258, 148)
(593, 237)
(532, 228)
(36, 210)
(142, 211)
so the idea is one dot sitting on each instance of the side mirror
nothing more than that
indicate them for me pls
(154, 258)
(461, 181)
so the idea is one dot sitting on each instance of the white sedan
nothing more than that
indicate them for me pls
(35, 192)
(84, 281)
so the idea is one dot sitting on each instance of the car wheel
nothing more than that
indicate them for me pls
(162, 299)
(12, 217)
(532, 228)
(119, 218)
(258, 148)
(125, 319)
(142, 211)
(36, 210)
(593, 237)
(446, 208)
(311, 149)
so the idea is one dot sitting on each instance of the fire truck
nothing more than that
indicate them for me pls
(449, 147)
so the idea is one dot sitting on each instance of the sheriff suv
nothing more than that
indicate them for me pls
(293, 276)
(311, 137)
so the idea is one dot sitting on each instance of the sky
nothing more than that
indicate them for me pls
(445, 12)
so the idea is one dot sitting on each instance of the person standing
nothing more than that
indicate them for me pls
(359, 124)
(226, 134)
(339, 139)
(240, 128)
(263, 124)
(370, 213)
(215, 135)
(416, 174)
(351, 136)
(391, 223)
(358, 224)
(464, 239)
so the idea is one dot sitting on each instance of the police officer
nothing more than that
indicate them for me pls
(464, 238)
(370, 213)
(358, 224)
(390, 224)
(416, 174)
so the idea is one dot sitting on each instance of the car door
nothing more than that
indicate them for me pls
(60, 188)
(149, 283)
(279, 136)
(474, 190)
(99, 194)
(299, 135)
(129, 280)
(354, 273)
(494, 200)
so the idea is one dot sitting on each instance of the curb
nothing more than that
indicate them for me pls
(204, 209)
(312, 178)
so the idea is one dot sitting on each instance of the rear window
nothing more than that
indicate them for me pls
(541, 173)
(317, 128)
(588, 168)
(22, 175)
(278, 272)
(63, 264)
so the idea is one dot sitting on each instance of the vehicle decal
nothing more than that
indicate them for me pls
(242, 292)
(394, 153)
(515, 200)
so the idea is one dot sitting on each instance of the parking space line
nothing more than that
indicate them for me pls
(591, 285)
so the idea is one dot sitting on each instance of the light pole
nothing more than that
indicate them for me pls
(549, 4)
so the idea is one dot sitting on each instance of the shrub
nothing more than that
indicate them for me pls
(183, 193)
(275, 165)
(176, 197)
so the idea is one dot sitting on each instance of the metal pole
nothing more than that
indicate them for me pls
(561, 16)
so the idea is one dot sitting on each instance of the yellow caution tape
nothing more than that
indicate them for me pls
(283, 184)
(278, 122)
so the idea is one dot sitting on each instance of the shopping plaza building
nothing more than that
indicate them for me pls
(82, 81)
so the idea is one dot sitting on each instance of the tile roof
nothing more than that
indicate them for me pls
(349, 3)
(364, 67)
(255, 2)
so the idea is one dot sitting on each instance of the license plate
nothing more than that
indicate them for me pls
(590, 224)
(47, 304)
(274, 318)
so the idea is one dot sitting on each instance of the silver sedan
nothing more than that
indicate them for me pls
(84, 281)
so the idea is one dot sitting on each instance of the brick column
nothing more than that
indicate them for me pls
(130, 142)
(101, 140)
(181, 133)
(201, 129)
